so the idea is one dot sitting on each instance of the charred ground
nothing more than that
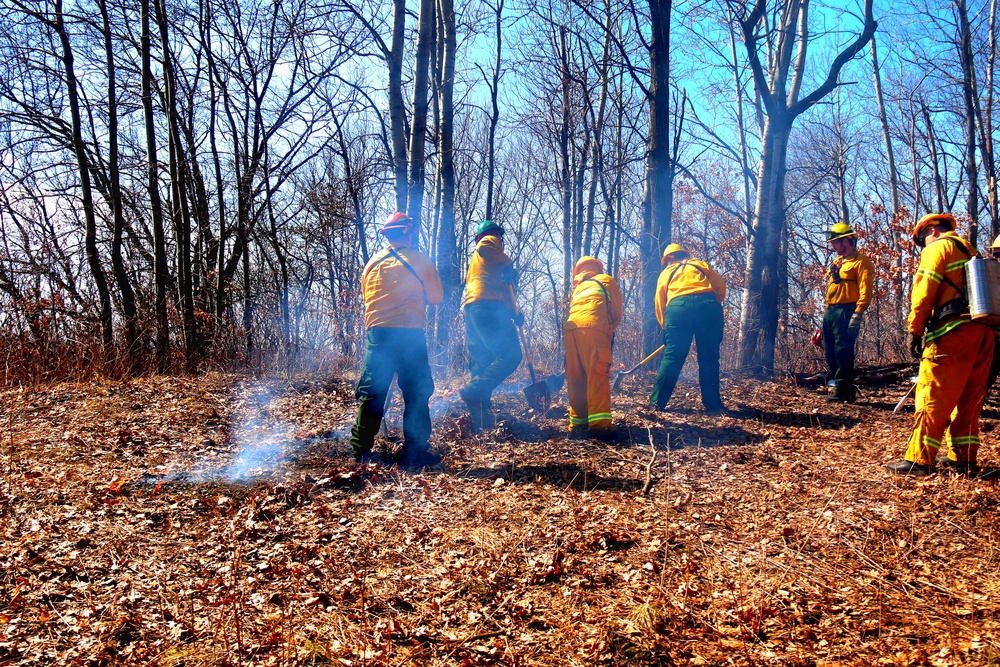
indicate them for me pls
(220, 521)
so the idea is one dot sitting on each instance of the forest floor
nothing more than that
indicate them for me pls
(219, 520)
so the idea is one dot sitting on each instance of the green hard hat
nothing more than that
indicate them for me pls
(488, 226)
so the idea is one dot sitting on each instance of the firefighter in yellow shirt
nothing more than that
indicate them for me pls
(689, 296)
(491, 319)
(955, 353)
(398, 284)
(595, 311)
(848, 293)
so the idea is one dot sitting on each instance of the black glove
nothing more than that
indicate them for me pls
(518, 319)
(916, 345)
(509, 276)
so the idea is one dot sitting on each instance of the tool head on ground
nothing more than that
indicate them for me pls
(487, 227)
(618, 379)
(537, 396)
(673, 251)
(588, 264)
(841, 230)
(919, 230)
(397, 224)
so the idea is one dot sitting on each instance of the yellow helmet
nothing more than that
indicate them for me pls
(946, 219)
(996, 243)
(672, 249)
(841, 230)
(588, 263)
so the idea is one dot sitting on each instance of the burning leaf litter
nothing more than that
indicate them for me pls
(214, 520)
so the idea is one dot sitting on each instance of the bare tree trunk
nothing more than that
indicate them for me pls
(494, 86)
(657, 204)
(447, 255)
(886, 136)
(932, 146)
(566, 170)
(780, 96)
(160, 271)
(397, 111)
(83, 165)
(179, 204)
(117, 262)
(969, 95)
(418, 125)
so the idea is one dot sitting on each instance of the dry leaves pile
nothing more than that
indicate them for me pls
(220, 521)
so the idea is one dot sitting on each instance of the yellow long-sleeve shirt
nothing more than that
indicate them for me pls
(854, 281)
(596, 303)
(684, 277)
(394, 297)
(484, 279)
(941, 258)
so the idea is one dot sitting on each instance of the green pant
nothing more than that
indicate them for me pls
(697, 316)
(494, 351)
(388, 352)
(838, 344)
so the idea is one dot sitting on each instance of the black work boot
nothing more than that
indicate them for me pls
(417, 459)
(474, 403)
(905, 467)
(960, 467)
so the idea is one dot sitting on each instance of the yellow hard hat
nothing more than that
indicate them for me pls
(996, 243)
(841, 230)
(588, 263)
(672, 249)
(946, 219)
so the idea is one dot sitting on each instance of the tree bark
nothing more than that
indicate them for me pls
(160, 272)
(418, 125)
(657, 203)
(397, 111)
(118, 264)
(86, 192)
(969, 97)
(447, 254)
(780, 96)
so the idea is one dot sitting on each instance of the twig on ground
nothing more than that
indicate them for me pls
(649, 466)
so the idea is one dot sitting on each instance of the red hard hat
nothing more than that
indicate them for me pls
(397, 222)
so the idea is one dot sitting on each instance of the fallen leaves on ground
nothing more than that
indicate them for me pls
(218, 520)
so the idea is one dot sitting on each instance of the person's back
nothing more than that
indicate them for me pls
(689, 294)
(595, 311)
(398, 284)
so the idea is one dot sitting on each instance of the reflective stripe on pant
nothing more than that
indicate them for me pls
(838, 344)
(403, 353)
(588, 379)
(953, 372)
(494, 351)
(698, 316)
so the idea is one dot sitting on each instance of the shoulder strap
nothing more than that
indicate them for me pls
(394, 253)
(681, 265)
(607, 297)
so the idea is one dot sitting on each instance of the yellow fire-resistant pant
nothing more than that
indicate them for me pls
(588, 379)
(953, 372)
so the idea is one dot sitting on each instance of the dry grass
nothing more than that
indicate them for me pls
(772, 536)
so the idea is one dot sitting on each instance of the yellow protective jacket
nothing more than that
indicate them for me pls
(596, 303)
(943, 258)
(684, 277)
(484, 280)
(395, 296)
(854, 281)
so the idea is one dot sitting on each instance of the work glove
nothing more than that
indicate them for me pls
(916, 345)
(518, 319)
(509, 276)
(854, 325)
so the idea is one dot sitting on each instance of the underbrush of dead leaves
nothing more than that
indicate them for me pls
(219, 520)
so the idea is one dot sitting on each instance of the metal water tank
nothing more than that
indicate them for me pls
(982, 277)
